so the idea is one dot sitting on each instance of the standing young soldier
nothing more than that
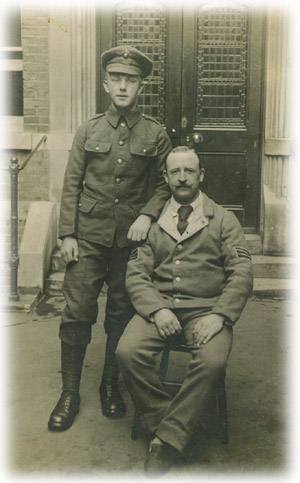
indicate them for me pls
(107, 204)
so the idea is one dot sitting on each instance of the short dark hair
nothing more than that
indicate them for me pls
(183, 149)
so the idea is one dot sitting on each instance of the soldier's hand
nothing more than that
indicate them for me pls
(166, 323)
(206, 327)
(139, 228)
(69, 249)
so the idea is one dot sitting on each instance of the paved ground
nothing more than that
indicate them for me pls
(94, 446)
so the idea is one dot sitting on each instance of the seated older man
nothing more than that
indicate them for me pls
(192, 276)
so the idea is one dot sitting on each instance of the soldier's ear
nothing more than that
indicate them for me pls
(202, 174)
(105, 85)
(165, 176)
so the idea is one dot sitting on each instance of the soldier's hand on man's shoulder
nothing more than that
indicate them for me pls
(69, 249)
(206, 327)
(138, 231)
(166, 322)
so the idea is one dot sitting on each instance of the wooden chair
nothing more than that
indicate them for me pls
(221, 404)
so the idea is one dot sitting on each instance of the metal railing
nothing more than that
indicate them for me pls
(14, 170)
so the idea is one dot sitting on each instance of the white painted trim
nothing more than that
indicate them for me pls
(12, 124)
(11, 49)
(11, 64)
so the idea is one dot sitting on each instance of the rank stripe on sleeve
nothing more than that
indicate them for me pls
(242, 252)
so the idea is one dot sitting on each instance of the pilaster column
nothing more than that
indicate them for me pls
(83, 61)
(277, 149)
(277, 142)
(72, 81)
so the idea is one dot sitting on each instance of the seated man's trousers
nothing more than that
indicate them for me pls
(173, 420)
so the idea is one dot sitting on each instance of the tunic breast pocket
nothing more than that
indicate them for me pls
(96, 148)
(86, 204)
(142, 153)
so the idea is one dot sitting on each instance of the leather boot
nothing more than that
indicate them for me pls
(67, 407)
(112, 403)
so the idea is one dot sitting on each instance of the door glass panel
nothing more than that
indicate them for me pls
(146, 29)
(222, 46)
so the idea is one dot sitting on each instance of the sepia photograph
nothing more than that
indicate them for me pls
(149, 246)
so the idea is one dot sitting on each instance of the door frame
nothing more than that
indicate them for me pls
(179, 53)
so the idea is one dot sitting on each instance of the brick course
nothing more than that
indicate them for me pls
(35, 69)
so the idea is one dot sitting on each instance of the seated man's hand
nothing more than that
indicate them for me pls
(206, 327)
(139, 228)
(69, 249)
(166, 323)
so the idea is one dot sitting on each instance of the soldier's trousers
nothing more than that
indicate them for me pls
(172, 420)
(82, 285)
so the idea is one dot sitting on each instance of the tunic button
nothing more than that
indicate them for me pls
(116, 201)
(121, 143)
(144, 150)
(123, 124)
(177, 301)
(177, 262)
(177, 279)
(120, 160)
(79, 204)
(179, 247)
(118, 180)
(97, 148)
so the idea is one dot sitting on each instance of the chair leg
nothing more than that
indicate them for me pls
(222, 410)
(136, 426)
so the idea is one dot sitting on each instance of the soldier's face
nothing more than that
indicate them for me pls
(123, 89)
(184, 175)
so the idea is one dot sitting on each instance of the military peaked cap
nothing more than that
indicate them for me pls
(126, 59)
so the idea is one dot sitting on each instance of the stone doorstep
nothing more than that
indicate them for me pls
(273, 267)
(254, 242)
(272, 277)
(276, 288)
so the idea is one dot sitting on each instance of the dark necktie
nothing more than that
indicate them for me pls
(183, 213)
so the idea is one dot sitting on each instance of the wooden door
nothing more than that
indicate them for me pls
(205, 88)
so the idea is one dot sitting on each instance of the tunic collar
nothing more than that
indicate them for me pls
(196, 204)
(199, 218)
(132, 117)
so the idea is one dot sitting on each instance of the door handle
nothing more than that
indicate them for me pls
(197, 138)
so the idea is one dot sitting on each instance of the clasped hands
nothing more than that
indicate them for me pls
(205, 328)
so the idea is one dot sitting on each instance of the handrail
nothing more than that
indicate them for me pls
(43, 139)
(14, 169)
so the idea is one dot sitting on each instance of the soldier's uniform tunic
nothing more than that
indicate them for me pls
(205, 270)
(114, 174)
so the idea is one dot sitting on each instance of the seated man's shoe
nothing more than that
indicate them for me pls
(160, 458)
(65, 411)
(112, 403)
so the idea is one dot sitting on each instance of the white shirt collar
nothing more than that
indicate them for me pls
(196, 204)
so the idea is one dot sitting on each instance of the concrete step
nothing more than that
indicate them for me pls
(270, 267)
(254, 244)
(275, 287)
(273, 276)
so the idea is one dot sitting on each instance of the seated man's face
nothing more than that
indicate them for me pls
(184, 175)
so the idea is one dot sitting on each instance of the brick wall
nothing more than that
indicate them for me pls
(34, 25)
